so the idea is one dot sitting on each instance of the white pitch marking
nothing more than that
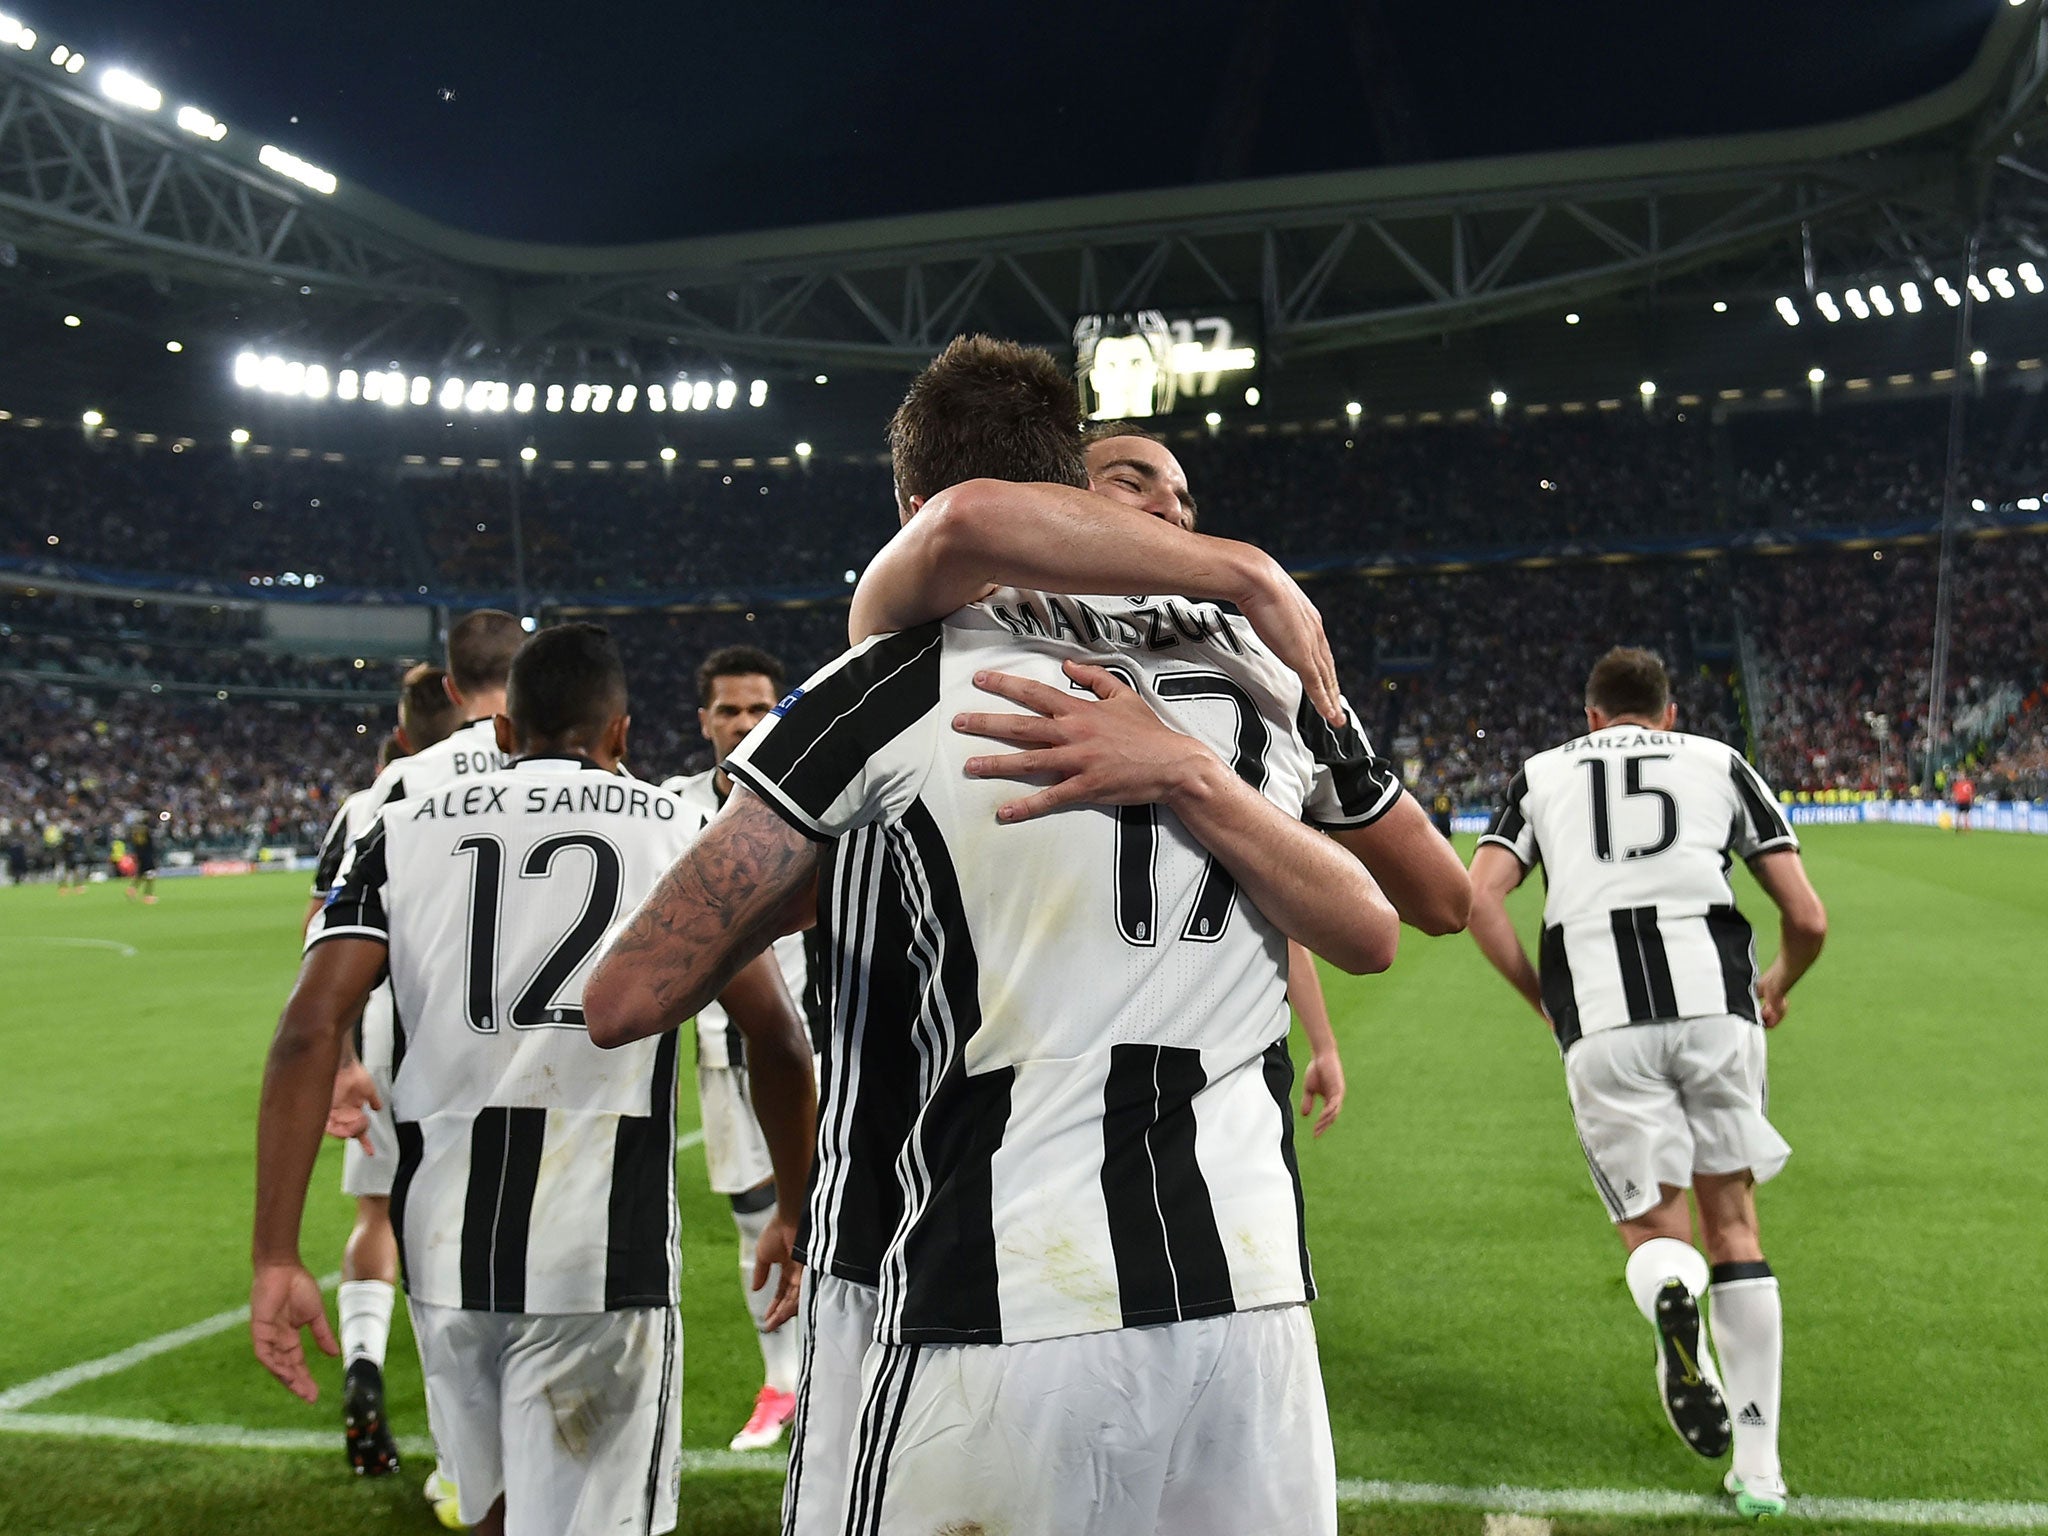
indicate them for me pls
(1515, 1525)
(1982, 1514)
(125, 951)
(107, 1365)
(688, 1140)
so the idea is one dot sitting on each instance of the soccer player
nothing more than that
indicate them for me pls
(535, 1200)
(736, 687)
(142, 849)
(1964, 789)
(1083, 1016)
(361, 1115)
(1440, 808)
(1648, 980)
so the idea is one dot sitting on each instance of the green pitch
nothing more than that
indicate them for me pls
(1473, 1323)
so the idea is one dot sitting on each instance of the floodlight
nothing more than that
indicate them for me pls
(1978, 291)
(757, 393)
(451, 394)
(315, 386)
(1213, 419)
(92, 418)
(1880, 300)
(1787, 310)
(1816, 376)
(528, 454)
(1825, 303)
(239, 436)
(422, 389)
(73, 322)
(821, 379)
(600, 397)
(1978, 359)
(556, 397)
(287, 164)
(74, 64)
(248, 370)
(700, 395)
(728, 392)
(12, 31)
(1353, 409)
(579, 402)
(1647, 389)
(1909, 297)
(628, 397)
(668, 455)
(1572, 318)
(347, 384)
(395, 387)
(58, 54)
(174, 346)
(1251, 395)
(803, 450)
(1499, 398)
(477, 397)
(205, 124)
(657, 398)
(1857, 305)
(522, 399)
(2029, 503)
(119, 85)
(1720, 306)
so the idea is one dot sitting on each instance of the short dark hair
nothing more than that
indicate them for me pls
(987, 410)
(1101, 431)
(481, 646)
(425, 712)
(390, 750)
(1629, 681)
(736, 661)
(566, 681)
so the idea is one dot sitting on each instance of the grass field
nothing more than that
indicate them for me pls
(1474, 1328)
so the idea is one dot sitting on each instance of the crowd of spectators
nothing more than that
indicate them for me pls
(108, 706)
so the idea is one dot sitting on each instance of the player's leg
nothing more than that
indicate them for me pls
(592, 1422)
(1058, 1437)
(1737, 1148)
(1254, 1452)
(839, 1326)
(1632, 1127)
(737, 1164)
(369, 1260)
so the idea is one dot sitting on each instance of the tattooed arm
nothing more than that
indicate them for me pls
(742, 885)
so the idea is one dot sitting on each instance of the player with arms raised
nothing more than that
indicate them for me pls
(1648, 978)
(535, 1199)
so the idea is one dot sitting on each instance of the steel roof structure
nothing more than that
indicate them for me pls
(118, 213)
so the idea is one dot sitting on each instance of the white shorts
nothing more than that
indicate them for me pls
(1215, 1427)
(735, 1152)
(371, 1173)
(839, 1325)
(1658, 1103)
(575, 1418)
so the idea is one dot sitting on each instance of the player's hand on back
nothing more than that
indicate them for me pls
(1102, 747)
(283, 1298)
(1291, 627)
(355, 1095)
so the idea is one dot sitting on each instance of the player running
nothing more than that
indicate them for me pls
(1061, 1002)
(142, 850)
(361, 1116)
(1649, 982)
(535, 1200)
(1964, 792)
(736, 688)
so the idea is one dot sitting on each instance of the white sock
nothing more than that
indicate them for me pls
(1661, 1259)
(1749, 1335)
(778, 1349)
(365, 1307)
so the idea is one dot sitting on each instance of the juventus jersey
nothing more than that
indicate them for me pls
(536, 1173)
(1634, 829)
(351, 820)
(719, 1042)
(1076, 1024)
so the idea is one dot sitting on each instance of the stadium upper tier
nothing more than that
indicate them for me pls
(681, 532)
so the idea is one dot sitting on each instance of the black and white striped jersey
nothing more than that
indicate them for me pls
(1066, 1039)
(536, 1173)
(719, 1042)
(1634, 829)
(351, 820)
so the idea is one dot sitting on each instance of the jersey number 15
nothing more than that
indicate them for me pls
(1632, 784)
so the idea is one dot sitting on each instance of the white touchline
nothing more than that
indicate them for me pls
(125, 951)
(107, 1365)
(1982, 1514)
(1514, 1525)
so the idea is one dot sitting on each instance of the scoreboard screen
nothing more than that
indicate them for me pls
(1153, 362)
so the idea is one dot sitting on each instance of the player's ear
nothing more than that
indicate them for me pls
(615, 737)
(704, 723)
(1671, 714)
(508, 739)
(448, 687)
(404, 742)
(1592, 718)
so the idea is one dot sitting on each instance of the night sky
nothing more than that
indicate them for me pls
(615, 122)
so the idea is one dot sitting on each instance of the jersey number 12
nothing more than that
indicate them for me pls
(536, 1007)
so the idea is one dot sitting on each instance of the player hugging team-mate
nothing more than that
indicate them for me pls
(1648, 979)
(1055, 1193)
(534, 1200)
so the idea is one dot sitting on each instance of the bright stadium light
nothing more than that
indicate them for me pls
(1857, 305)
(2031, 277)
(74, 64)
(1825, 303)
(1499, 398)
(287, 164)
(92, 418)
(72, 322)
(1816, 376)
(348, 384)
(803, 450)
(668, 455)
(600, 397)
(205, 124)
(757, 393)
(579, 402)
(700, 395)
(1909, 298)
(528, 454)
(1214, 419)
(119, 85)
(557, 397)
(1880, 300)
(451, 394)
(728, 392)
(1946, 289)
(657, 398)
(395, 386)
(522, 399)
(1787, 310)
(315, 386)
(628, 397)
(477, 397)
(248, 370)
(821, 379)
(1572, 318)
(174, 346)
(12, 31)
(1353, 409)
(239, 436)
(1978, 291)
(1978, 358)
(1647, 389)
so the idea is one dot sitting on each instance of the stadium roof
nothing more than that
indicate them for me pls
(116, 213)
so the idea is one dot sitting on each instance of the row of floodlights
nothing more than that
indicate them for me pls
(1877, 300)
(312, 381)
(119, 85)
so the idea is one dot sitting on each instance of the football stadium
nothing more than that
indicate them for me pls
(399, 413)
